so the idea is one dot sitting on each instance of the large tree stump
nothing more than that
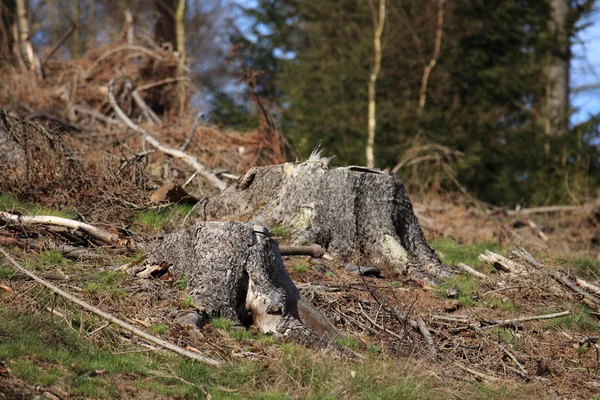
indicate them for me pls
(235, 271)
(358, 214)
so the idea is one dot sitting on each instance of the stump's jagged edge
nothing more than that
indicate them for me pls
(355, 213)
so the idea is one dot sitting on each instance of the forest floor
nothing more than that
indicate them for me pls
(73, 157)
(51, 347)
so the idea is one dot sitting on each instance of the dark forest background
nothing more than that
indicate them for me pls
(471, 96)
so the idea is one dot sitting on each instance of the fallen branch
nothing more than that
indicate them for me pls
(478, 374)
(502, 263)
(94, 232)
(427, 335)
(589, 286)
(494, 324)
(314, 250)
(559, 277)
(192, 161)
(109, 317)
(546, 209)
(471, 270)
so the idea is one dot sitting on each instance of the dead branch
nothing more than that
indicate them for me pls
(94, 232)
(545, 209)
(525, 256)
(139, 100)
(494, 324)
(378, 23)
(151, 85)
(190, 135)
(427, 335)
(315, 251)
(58, 44)
(109, 317)
(502, 263)
(471, 270)
(116, 50)
(589, 286)
(165, 149)
(559, 277)
(478, 374)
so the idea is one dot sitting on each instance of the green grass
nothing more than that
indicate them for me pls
(507, 336)
(44, 351)
(578, 319)
(300, 268)
(499, 304)
(350, 343)
(182, 282)
(106, 283)
(161, 329)
(283, 232)
(155, 219)
(451, 252)
(6, 271)
(186, 303)
(222, 323)
(10, 202)
(464, 285)
(587, 266)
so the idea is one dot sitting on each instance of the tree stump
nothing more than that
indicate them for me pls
(358, 214)
(235, 271)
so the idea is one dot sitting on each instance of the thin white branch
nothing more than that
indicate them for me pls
(192, 161)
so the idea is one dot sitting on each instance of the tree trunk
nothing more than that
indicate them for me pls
(355, 213)
(180, 37)
(378, 23)
(235, 271)
(557, 90)
(8, 11)
(29, 57)
(165, 25)
(77, 31)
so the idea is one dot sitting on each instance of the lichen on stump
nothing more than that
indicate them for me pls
(357, 214)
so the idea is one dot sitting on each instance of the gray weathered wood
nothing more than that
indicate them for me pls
(357, 214)
(235, 271)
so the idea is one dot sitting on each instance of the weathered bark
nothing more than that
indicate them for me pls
(355, 213)
(235, 271)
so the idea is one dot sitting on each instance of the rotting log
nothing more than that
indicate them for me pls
(357, 214)
(235, 271)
